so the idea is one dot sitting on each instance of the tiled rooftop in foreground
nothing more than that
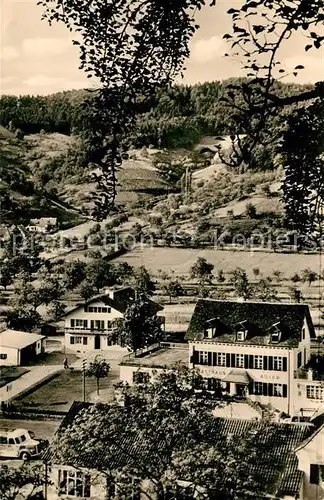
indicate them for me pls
(163, 357)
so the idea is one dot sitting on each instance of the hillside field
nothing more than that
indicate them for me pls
(180, 260)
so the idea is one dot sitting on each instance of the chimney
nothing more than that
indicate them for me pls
(110, 292)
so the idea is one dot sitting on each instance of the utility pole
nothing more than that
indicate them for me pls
(84, 379)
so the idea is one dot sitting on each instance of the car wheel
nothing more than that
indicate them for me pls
(24, 455)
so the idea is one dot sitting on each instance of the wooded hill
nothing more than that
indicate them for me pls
(176, 117)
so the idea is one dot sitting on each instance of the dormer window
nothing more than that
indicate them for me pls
(210, 333)
(241, 331)
(275, 336)
(275, 333)
(212, 328)
(241, 335)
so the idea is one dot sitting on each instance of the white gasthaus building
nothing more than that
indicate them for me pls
(89, 326)
(256, 350)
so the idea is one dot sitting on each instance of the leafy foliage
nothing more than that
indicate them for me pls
(140, 326)
(258, 40)
(240, 281)
(166, 419)
(132, 49)
(24, 318)
(25, 480)
(142, 282)
(172, 287)
(99, 368)
(201, 270)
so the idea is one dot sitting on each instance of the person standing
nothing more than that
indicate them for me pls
(65, 364)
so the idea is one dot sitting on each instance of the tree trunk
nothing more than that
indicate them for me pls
(98, 386)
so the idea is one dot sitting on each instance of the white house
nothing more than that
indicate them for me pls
(255, 349)
(18, 348)
(310, 455)
(42, 225)
(90, 325)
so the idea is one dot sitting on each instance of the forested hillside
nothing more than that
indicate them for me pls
(177, 117)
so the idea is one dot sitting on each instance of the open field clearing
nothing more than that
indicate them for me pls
(181, 259)
(61, 391)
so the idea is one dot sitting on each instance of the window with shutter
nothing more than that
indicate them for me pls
(270, 390)
(284, 364)
(71, 340)
(233, 360)
(246, 361)
(210, 359)
(258, 362)
(194, 357)
(214, 359)
(85, 323)
(239, 360)
(72, 323)
(265, 362)
(85, 340)
(265, 389)
(258, 388)
(228, 360)
(284, 390)
(314, 474)
(251, 360)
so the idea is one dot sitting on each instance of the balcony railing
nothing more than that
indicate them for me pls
(90, 331)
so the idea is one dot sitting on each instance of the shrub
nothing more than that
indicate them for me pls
(250, 211)
(19, 134)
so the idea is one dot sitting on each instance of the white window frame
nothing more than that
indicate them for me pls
(278, 363)
(259, 391)
(203, 357)
(315, 392)
(278, 390)
(258, 362)
(221, 359)
(116, 488)
(275, 336)
(241, 335)
(239, 360)
(71, 477)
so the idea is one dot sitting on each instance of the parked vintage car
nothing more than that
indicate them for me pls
(20, 443)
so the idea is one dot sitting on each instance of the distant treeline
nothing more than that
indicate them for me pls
(177, 117)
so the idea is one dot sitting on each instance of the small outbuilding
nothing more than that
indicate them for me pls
(18, 348)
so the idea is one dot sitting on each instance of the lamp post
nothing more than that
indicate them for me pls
(84, 363)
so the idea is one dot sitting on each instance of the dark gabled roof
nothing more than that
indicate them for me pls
(277, 463)
(260, 317)
(122, 299)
